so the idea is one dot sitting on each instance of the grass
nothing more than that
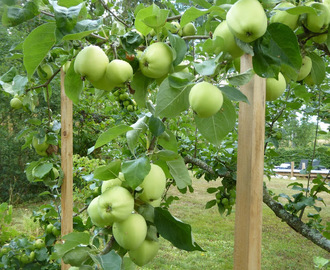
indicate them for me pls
(282, 248)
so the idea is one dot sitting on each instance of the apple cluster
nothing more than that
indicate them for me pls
(93, 64)
(246, 21)
(116, 208)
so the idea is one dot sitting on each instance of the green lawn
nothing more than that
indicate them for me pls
(282, 248)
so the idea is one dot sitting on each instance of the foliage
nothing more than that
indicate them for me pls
(148, 119)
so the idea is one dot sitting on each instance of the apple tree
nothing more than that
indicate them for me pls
(163, 79)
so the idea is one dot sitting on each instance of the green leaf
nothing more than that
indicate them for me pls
(168, 141)
(109, 171)
(175, 231)
(207, 68)
(234, 94)
(180, 79)
(111, 134)
(156, 126)
(135, 171)
(69, 3)
(156, 20)
(166, 155)
(210, 204)
(83, 29)
(78, 237)
(276, 50)
(131, 41)
(12, 16)
(42, 169)
(216, 127)
(242, 78)
(140, 85)
(179, 172)
(203, 3)
(133, 135)
(180, 47)
(9, 75)
(110, 260)
(19, 83)
(37, 45)
(191, 14)
(73, 84)
(149, 17)
(171, 101)
(66, 18)
(318, 68)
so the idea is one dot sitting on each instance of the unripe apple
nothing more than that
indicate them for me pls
(94, 214)
(317, 23)
(115, 204)
(305, 69)
(119, 72)
(39, 243)
(156, 60)
(320, 38)
(275, 88)
(155, 203)
(131, 232)
(112, 182)
(104, 84)
(16, 103)
(309, 80)
(45, 72)
(66, 66)
(247, 20)
(189, 30)
(153, 184)
(229, 44)
(40, 147)
(175, 28)
(282, 16)
(144, 253)
(205, 99)
(91, 62)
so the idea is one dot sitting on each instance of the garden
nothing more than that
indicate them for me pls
(126, 129)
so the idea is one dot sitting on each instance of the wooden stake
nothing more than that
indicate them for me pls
(67, 164)
(250, 170)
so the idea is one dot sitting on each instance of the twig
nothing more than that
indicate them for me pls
(114, 15)
(44, 84)
(109, 246)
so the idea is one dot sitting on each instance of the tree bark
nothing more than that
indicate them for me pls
(293, 221)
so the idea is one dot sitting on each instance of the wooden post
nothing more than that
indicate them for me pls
(67, 164)
(292, 168)
(250, 171)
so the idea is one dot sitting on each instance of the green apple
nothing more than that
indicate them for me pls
(320, 38)
(115, 204)
(317, 23)
(205, 99)
(56, 232)
(119, 72)
(104, 84)
(66, 66)
(309, 80)
(156, 60)
(144, 253)
(39, 243)
(175, 28)
(153, 184)
(275, 88)
(282, 16)
(16, 103)
(305, 69)
(40, 147)
(49, 228)
(45, 72)
(189, 30)
(112, 182)
(229, 44)
(247, 20)
(94, 214)
(155, 203)
(131, 232)
(91, 62)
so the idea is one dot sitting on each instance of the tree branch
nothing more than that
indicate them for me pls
(114, 15)
(293, 221)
